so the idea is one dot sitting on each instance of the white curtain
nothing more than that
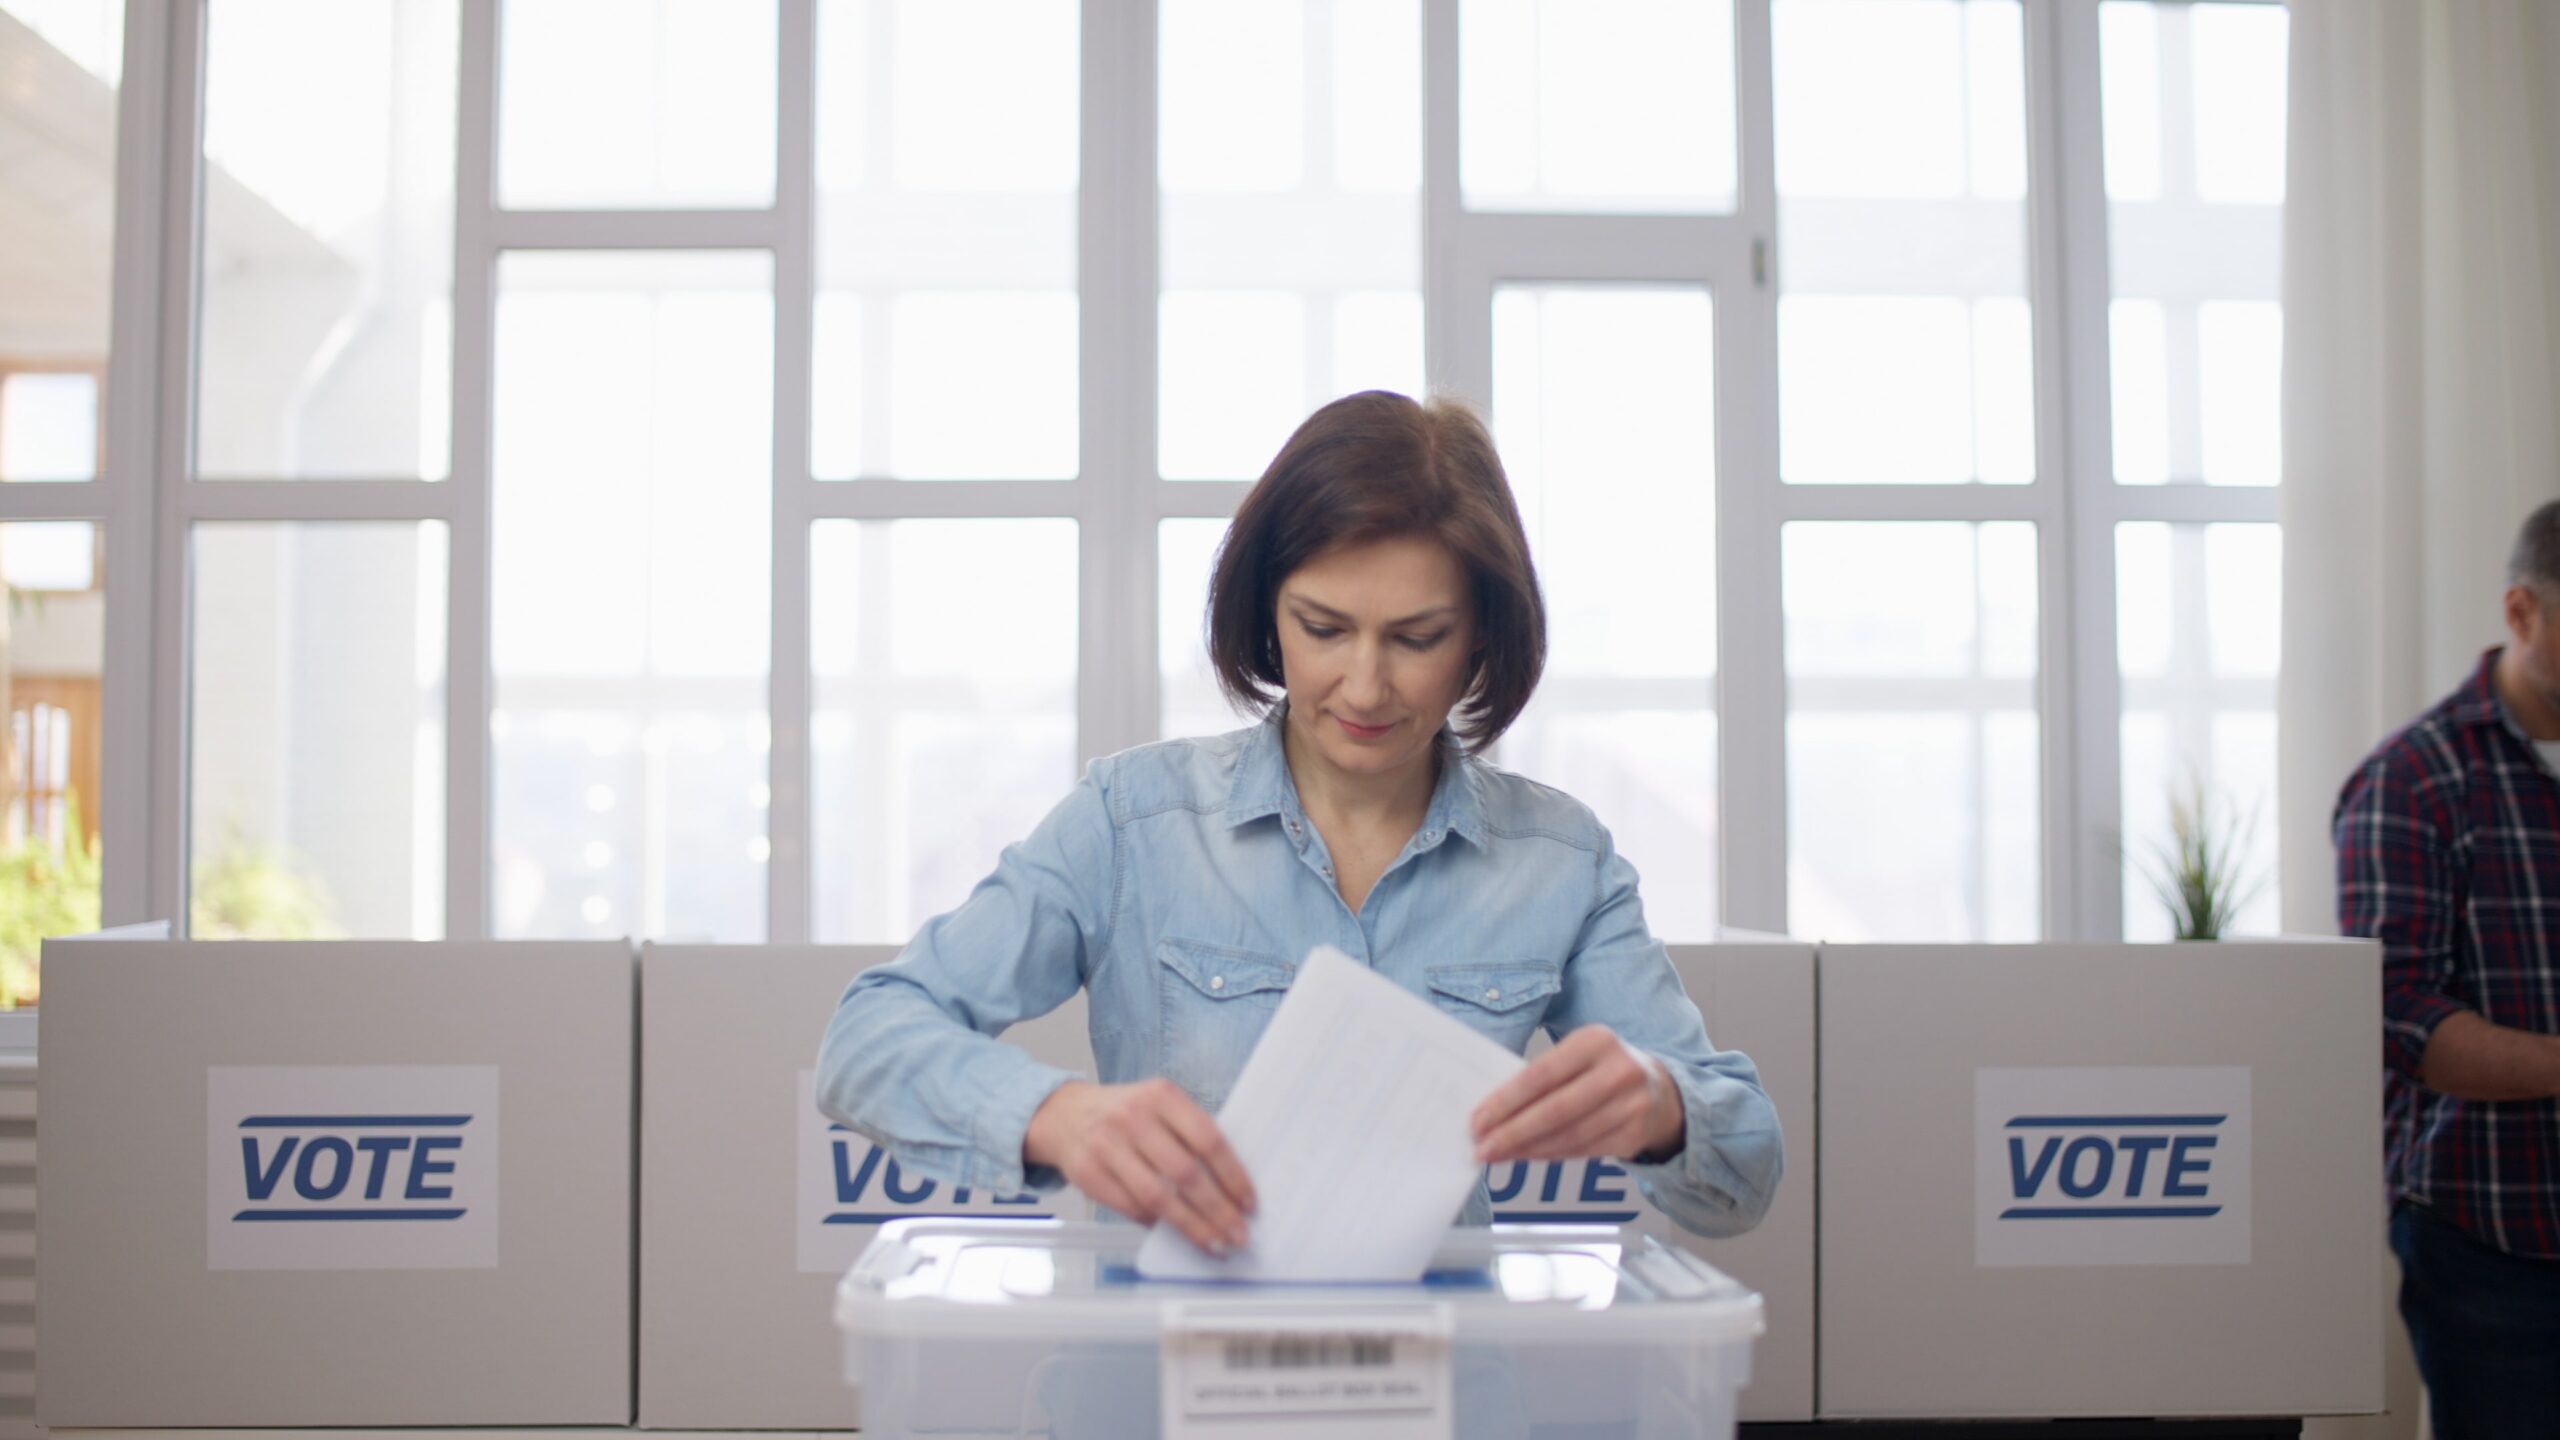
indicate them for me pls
(2421, 370)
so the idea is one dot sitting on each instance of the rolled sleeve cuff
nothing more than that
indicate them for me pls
(1727, 1169)
(2409, 1021)
(999, 1125)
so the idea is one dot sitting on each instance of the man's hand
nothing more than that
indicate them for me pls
(1593, 1094)
(1148, 1151)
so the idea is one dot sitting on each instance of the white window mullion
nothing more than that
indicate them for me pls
(2069, 161)
(1751, 680)
(182, 218)
(941, 500)
(1457, 309)
(1116, 274)
(287, 501)
(467, 670)
(640, 229)
(1199, 499)
(788, 912)
(2052, 200)
(1875, 503)
(2187, 504)
(128, 775)
(80, 500)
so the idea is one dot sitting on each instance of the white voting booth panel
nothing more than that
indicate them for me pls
(752, 1206)
(336, 1184)
(2079, 1180)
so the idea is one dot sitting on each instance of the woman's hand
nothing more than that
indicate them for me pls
(1148, 1151)
(1592, 1094)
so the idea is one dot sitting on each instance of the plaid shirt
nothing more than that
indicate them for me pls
(2449, 853)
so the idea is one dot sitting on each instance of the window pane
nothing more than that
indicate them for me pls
(1188, 702)
(1597, 105)
(639, 103)
(49, 426)
(48, 555)
(937, 738)
(52, 654)
(328, 219)
(946, 322)
(1913, 743)
(2199, 626)
(631, 587)
(2239, 57)
(60, 61)
(1604, 404)
(1905, 347)
(1291, 161)
(2194, 102)
(316, 737)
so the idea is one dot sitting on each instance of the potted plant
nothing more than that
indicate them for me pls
(2199, 871)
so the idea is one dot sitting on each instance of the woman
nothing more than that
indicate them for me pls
(1375, 598)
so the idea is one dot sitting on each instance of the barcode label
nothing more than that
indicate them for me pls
(1248, 1372)
(1309, 1352)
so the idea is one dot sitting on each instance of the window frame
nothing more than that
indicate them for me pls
(148, 501)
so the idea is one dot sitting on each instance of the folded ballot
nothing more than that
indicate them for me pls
(1351, 1117)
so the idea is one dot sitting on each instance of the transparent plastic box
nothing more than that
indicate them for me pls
(1020, 1328)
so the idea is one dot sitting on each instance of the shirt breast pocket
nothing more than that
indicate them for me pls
(1502, 1002)
(1214, 1002)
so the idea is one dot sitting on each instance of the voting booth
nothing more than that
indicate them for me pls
(752, 1206)
(2085, 1180)
(335, 1184)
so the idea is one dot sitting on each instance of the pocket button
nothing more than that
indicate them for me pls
(1217, 982)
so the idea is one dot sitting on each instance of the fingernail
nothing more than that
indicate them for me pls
(1484, 1152)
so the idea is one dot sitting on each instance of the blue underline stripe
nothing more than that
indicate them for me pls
(883, 1217)
(2110, 1212)
(354, 1122)
(348, 1215)
(2112, 1122)
(1564, 1217)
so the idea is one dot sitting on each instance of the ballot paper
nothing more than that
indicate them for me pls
(1351, 1116)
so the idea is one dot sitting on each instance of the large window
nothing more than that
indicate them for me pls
(717, 468)
(63, 540)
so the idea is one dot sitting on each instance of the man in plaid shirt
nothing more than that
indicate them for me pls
(2449, 853)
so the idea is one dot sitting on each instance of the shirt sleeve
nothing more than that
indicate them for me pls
(1721, 1179)
(911, 1059)
(2397, 884)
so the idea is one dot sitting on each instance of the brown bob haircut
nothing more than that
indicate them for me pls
(1377, 466)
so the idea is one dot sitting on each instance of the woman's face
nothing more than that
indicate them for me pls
(1376, 641)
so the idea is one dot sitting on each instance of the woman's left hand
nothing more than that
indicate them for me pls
(1592, 1094)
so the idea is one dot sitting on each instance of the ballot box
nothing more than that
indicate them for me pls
(335, 1184)
(2082, 1180)
(961, 1329)
(753, 1205)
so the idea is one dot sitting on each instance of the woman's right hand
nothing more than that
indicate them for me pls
(1148, 1151)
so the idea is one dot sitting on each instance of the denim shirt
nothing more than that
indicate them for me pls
(1181, 883)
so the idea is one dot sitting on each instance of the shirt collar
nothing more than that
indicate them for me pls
(2479, 703)
(1263, 786)
(2469, 708)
